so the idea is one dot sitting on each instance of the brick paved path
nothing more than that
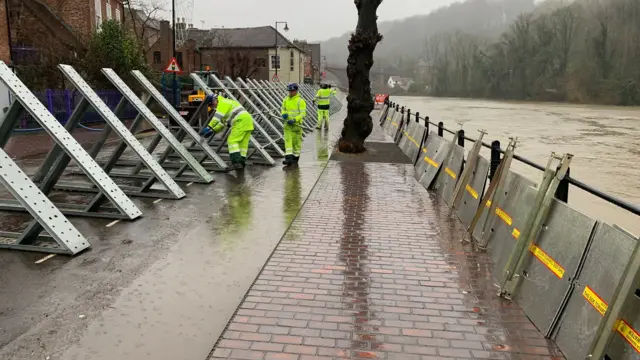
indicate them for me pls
(373, 268)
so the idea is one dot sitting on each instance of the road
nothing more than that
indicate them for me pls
(605, 141)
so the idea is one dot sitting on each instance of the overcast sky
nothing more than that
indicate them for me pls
(314, 20)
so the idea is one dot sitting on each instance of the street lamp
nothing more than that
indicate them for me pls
(286, 28)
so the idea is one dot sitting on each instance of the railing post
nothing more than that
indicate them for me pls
(426, 124)
(408, 116)
(495, 158)
(441, 129)
(461, 138)
(418, 116)
(562, 192)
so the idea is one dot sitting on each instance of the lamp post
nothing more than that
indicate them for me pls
(286, 28)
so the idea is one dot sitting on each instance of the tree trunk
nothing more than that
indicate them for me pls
(358, 124)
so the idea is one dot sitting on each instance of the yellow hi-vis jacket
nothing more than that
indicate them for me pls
(229, 112)
(323, 97)
(295, 107)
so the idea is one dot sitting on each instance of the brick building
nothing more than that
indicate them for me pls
(241, 52)
(4, 33)
(55, 24)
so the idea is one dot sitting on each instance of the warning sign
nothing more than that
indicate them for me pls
(275, 78)
(547, 260)
(173, 66)
(595, 300)
(629, 334)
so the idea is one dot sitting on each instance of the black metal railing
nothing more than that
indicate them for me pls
(496, 152)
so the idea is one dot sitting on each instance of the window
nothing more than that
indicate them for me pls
(291, 63)
(261, 62)
(98, 6)
(157, 57)
(275, 62)
(118, 16)
(108, 6)
(179, 59)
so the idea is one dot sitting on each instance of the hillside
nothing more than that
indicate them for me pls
(406, 38)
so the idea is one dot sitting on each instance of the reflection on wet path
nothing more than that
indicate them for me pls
(373, 268)
(354, 254)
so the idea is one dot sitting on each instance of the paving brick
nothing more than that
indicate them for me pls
(368, 272)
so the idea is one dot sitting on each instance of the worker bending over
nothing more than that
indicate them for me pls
(230, 113)
(294, 110)
(323, 100)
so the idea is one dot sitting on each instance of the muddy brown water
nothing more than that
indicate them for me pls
(604, 140)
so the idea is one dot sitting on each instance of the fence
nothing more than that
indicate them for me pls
(577, 278)
(61, 103)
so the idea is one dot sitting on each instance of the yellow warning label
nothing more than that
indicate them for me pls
(595, 300)
(394, 124)
(504, 216)
(424, 150)
(488, 203)
(629, 334)
(471, 191)
(430, 162)
(547, 261)
(515, 233)
(451, 173)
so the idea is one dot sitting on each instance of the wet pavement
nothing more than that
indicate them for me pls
(164, 286)
(373, 268)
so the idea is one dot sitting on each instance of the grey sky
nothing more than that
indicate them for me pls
(308, 19)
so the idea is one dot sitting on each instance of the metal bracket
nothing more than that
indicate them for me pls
(520, 255)
(201, 174)
(465, 178)
(62, 237)
(65, 150)
(495, 187)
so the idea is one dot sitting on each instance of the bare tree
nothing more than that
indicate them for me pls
(144, 16)
(358, 124)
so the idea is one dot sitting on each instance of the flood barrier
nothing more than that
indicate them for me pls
(108, 187)
(577, 278)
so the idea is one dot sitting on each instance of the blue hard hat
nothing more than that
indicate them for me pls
(209, 98)
(292, 87)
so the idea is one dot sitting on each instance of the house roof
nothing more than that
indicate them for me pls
(256, 37)
(144, 18)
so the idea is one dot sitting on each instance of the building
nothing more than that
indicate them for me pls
(239, 52)
(55, 25)
(312, 59)
(397, 82)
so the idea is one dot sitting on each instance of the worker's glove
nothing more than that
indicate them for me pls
(291, 122)
(285, 116)
(207, 132)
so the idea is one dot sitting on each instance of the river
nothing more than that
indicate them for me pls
(604, 140)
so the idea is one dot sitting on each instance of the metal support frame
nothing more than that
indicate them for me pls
(184, 129)
(65, 150)
(520, 255)
(258, 147)
(169, 190)
(61, 238)
(275, 100)
(200, 174)
(495, 187)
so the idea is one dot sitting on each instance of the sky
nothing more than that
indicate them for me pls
(314, 20)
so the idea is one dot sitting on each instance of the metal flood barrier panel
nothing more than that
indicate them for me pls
(486, 223)
(388, 116)
(556, 255)
(391, 127)
(431, 160)
(411, 138)
(510, 218)
(593, 290)
(448, 178)
(473, 192)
